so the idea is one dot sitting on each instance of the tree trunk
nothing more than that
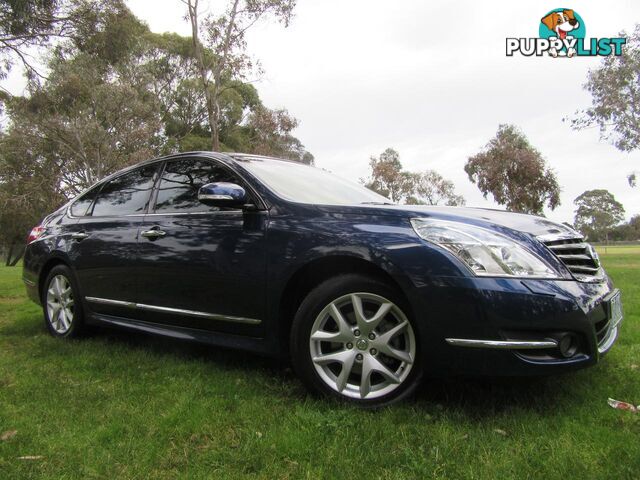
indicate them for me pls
(9, 253)
(212, 112)
(12, 262)
(18, 257)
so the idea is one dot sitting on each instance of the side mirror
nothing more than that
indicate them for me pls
(222, 194)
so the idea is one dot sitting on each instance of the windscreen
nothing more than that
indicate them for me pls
(304, 184)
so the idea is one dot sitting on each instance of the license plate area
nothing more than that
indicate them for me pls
(614, 309)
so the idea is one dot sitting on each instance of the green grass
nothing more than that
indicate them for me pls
(117, 405)
(618, 249)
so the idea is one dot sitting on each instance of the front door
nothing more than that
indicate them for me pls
(200, 266)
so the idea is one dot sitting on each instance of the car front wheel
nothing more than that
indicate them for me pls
(353, 338)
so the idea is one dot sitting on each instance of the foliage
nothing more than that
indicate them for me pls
(629, 231)
(33, 25)
(219, 47)
(25, 192)
(117, 94)
(514, 173)
(25, 24)
(390, 180)
(615, 99)
(597, 213)
(431, 188)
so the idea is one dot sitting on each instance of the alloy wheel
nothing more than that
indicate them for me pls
(60, 304)
(362, 345)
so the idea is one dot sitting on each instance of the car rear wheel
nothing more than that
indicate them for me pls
(353, 339)
(61, 304)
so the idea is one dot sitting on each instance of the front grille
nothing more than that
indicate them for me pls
(579, 257)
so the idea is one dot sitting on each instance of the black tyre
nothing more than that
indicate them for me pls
(63, 313)
(353, 338)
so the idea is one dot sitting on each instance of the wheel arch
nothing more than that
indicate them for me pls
(52, 262)
(316, 271)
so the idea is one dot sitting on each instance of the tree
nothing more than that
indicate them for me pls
(514, 173)
(116, 94)
(27, 189)
(387, 177)
(390, 180)
(222, 55)
(27, 25)
(629, 231)
(615, 98)
(597, 213)
(269, 132)
(431, 188)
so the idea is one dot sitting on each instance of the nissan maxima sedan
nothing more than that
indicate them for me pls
(364, 297)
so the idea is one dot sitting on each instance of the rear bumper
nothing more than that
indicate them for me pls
(484, 326)
(32, 289)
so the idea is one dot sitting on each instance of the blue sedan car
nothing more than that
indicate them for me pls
(278, 258)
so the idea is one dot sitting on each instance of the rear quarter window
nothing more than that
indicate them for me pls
(127, 194)
(80, 206)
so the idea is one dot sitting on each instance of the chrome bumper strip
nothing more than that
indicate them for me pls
(28, 282)
(611, 337)
(502, 344)
(178, 311)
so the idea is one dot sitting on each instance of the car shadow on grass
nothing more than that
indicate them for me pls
(478, 396)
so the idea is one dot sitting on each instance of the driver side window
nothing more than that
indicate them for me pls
(181, 180)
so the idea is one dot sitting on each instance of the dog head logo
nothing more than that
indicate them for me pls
(561, 22)
(564, 25)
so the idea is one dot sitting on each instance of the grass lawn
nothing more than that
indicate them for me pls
(118, 405)
(618, 249)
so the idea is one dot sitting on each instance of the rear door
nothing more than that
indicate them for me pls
(207, 268)
(105, 241)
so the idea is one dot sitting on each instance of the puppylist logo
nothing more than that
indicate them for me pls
(562, 34)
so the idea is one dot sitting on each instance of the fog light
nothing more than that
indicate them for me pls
(568, 345)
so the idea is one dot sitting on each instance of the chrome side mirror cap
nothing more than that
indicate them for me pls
(222, 194)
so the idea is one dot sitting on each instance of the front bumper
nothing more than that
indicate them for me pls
(500, 326)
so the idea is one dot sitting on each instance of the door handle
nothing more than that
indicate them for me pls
(153, 233)
(79, 235)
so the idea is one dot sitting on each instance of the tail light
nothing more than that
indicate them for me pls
(35, 234)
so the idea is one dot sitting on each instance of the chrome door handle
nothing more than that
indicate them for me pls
(153, 233)
(79, 235)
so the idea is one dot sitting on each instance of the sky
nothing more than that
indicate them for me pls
(431, 80)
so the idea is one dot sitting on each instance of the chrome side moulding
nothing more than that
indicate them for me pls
(28, 282)
(179, 311)
(502, 344)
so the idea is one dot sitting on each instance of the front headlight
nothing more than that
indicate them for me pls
(485, 252)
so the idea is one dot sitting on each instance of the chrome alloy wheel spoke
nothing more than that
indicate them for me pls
(362, 345)
(60, 304)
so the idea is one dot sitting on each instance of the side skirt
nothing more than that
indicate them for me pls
(218, 339)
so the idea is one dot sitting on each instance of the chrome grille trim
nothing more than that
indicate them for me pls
(579, 257)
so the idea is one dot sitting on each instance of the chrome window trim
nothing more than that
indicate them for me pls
(215, 212)
(261, 204)
(502, 344)
(180, 311)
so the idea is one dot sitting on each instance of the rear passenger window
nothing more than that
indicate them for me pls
(181, 180)
(81, 205)
(126, 194)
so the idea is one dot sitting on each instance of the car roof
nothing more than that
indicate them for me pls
(229, 158)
